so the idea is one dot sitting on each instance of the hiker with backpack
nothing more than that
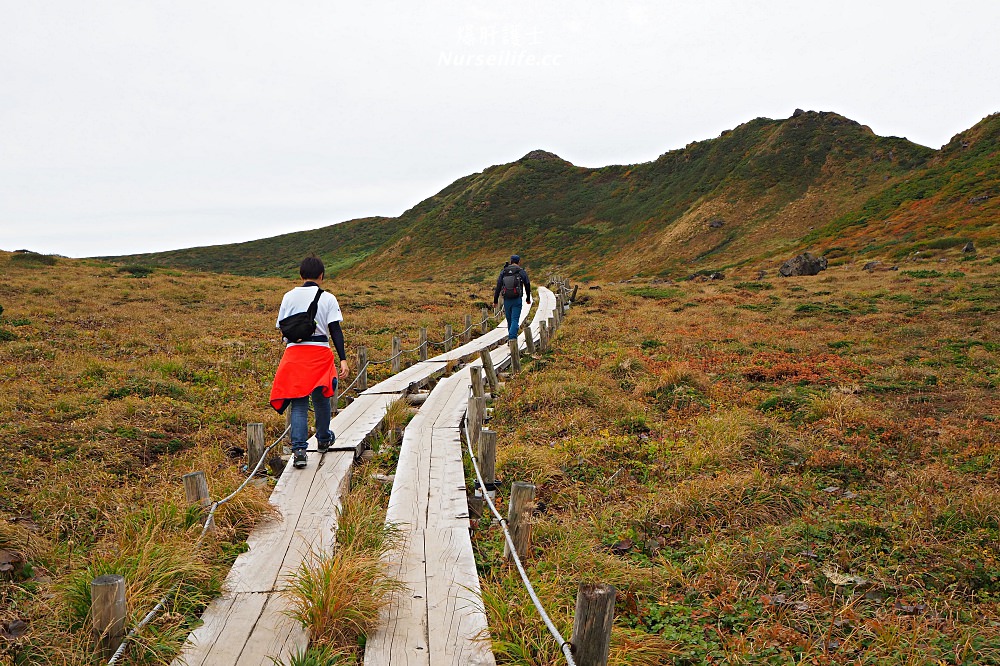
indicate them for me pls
(512, 284)
(309, 318)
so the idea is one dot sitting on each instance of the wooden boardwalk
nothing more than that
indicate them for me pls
(438, 619)
(248, 625)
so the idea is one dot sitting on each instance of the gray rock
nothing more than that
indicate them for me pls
(716, 224)
(803, 264)
(716, 276)
(797, 113)
(979, 199)
(969, 247)
(871, 266)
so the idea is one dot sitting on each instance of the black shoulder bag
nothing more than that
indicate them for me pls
(300, 326)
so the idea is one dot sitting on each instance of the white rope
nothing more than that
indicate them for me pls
(564, 645)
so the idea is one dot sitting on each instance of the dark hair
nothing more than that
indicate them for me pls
(311, 267)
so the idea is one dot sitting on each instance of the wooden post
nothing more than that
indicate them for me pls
(447, 337)
(423, 343)
(196, 488)
(467, 334)
(572, 299)
(595, 613)
(553, 325)
(529, 339)
(362, 370)
(491, 372)
(543, 337)
(477, 382)
(559, 308)
(515, 356)
(107, 613)
(288, 425)
(485, 323)
(397, 348)
(522, 503)
(474, 420)
(255, 444)
(487, 459)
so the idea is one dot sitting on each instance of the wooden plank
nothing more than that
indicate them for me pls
(446, 501)
(307, 503)
(416, 373)
(275, 635)
(455, 614)
(408, 498)
(401, 636)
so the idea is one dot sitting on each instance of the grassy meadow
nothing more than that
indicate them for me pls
(116, 381)
(768, 470)
(783, 471)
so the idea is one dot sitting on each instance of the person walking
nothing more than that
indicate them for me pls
(512, 283)
(309, 318)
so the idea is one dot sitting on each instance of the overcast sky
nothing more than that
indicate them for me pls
(138, 125)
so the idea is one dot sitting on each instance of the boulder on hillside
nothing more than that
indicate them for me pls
(969, 247)
(716, 224)
(871, 266)
(803, 264)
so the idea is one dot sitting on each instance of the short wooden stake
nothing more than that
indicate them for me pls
(397, 348)
(595, 614)
(543, 337)
(362, 369)
(255, 444)
(474, 420)
(529, 339)
(196, 488)
(515, 356)
(559, 308)
(447, 337)
(487, 459)
(572, 299)
(107, 613)
(553, 325)
(522, 503)
(423, 343)
(485, 323)
(491, 371)
(467, 333)
(478, 390)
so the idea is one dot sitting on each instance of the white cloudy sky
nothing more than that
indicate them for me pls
(142, 125)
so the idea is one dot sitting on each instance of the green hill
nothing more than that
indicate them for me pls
(753, 195)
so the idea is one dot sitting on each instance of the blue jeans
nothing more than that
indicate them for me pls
(300, 419)
(512, 311)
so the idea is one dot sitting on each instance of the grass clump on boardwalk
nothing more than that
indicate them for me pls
(338, 596)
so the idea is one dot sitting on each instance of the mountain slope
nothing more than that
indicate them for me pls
(767, 188)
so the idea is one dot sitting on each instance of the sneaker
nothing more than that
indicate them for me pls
(323, 447)
(299, 458)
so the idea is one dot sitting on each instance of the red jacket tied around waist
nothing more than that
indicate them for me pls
(303, 368)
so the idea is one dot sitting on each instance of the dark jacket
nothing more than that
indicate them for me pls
(522, 275)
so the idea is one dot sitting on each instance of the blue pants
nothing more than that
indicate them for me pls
(300, 419)
(512, 311)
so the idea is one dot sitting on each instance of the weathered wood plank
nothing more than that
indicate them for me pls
(458, 633)
(401, 637)
(446, 500)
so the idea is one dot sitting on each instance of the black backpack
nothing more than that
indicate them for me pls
(511, 280)
(300, 326)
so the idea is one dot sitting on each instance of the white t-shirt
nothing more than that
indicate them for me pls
(327, 310)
